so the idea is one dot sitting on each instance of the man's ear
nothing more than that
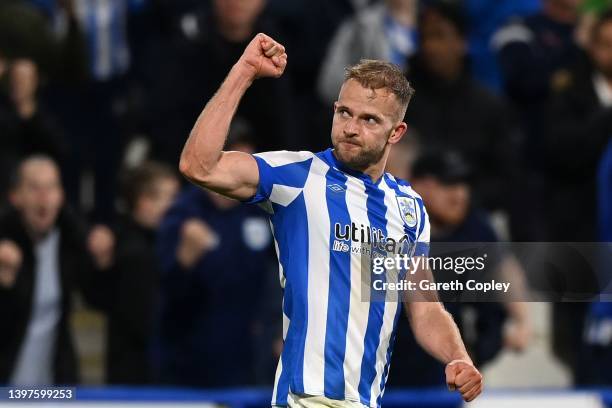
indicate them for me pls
(398, 132)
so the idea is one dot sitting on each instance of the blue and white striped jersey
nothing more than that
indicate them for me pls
(337, 344)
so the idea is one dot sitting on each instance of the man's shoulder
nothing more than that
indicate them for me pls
(283, 173)
(283, 157)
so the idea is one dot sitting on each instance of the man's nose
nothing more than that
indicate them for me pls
(351, 128)
(43, 195)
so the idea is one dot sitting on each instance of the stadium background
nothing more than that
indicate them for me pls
(513, 95)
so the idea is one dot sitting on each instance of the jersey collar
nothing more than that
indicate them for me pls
(331, 159)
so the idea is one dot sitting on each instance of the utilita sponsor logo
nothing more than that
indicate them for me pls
(363, 234)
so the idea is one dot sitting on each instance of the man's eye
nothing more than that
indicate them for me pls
(371, 121)
(344, 114)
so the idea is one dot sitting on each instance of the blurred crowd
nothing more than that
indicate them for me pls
(509, 139)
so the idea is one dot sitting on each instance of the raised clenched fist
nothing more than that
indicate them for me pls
(196, 239)
(462, 376)
(264, 57)
(10, 262)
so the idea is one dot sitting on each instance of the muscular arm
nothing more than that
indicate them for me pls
(436, 331)
(203, 162)
(232, 174)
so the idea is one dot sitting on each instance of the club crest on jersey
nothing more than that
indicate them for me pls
(407, 207)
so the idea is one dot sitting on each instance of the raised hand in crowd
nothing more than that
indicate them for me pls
(101, 245)
(10, 262)
(197, 238)
(23, 83)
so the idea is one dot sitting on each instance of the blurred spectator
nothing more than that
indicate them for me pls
(441, 178)
(215, 259)
(25, 34)
(596, 353)
(30, 30)
(579, 126)
(604, 187)
(486, 18)
(129, 280)
(209, 43)
(308, 27)
(62, 76)
(43, 258)
(95, 107)
(25, 124)
(535, 54)
(589, 13)
(451, 111)
(68, 62)
(104, 25)
(385, 30)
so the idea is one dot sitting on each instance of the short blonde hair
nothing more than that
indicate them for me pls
(376, 74)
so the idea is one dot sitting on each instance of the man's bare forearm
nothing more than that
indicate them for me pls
(207, 138)
(436, 331)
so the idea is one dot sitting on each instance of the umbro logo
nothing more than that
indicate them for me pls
(336, 188)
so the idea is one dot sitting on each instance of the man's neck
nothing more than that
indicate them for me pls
(374, 171)
(143, 220)
(38, 236)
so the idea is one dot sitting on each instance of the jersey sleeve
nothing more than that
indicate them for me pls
(282, 176)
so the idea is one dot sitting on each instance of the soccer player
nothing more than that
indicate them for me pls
(324, 207)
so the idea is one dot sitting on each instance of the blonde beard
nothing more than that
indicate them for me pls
(363, 159)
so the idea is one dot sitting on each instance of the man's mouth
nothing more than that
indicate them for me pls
(352, 144)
